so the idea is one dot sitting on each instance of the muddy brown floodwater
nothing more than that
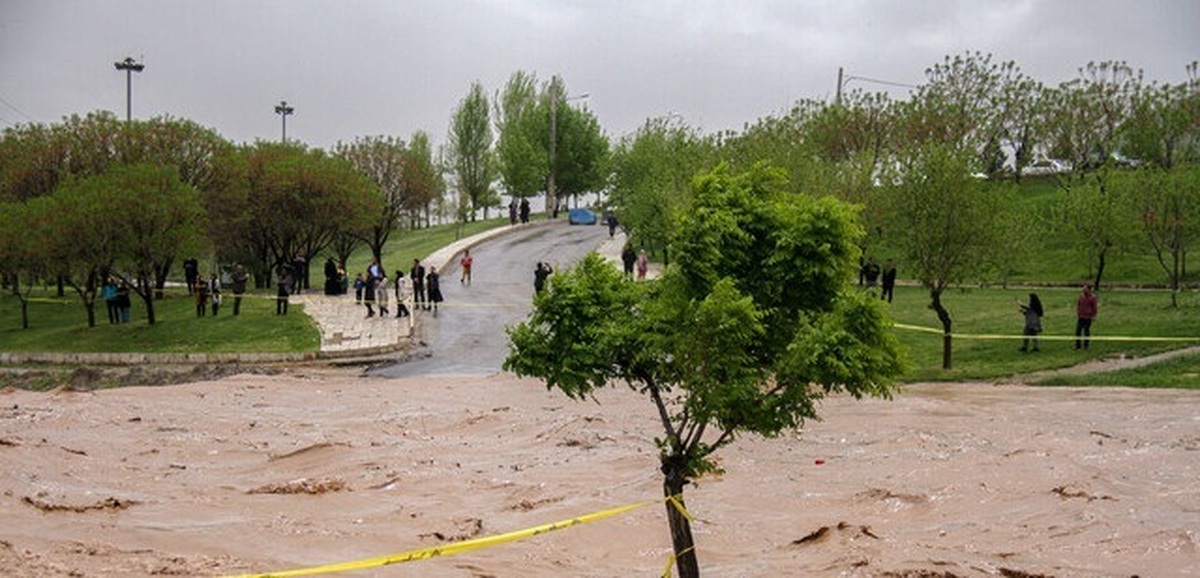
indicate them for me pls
(258, 473)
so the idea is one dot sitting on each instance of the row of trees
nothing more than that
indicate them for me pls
(93, 196)
(528, 140)
(934, 175)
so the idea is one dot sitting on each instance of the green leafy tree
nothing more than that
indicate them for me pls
(22, 256)
(581, 157)
(471, 152)
(32, 162)
(520, 125)
(163, 216)
(290, 201)
(1097, 217)
(81, 236)
(953, 223)
(1170, 203)
(1088, 112)
(652, 172)
(428, 182)
(1164, 129)
(385, 162)
(754, 323)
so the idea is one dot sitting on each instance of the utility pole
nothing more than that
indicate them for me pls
(283, 110)
(130, 66)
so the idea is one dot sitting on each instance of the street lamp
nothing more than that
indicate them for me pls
(283, 110)
(551, 199)
(130, 66)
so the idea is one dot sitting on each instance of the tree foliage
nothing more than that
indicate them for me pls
(652, 171)
(754, 322)
(471, 152)
(521, 124)
(952, 223)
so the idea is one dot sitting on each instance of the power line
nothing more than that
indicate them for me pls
(19, 111)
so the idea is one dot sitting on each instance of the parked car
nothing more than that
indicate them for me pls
(1047, 167)
(581, 217)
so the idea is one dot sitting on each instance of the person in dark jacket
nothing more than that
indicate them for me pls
(1033, 313)
(433, 287)
(889, 282)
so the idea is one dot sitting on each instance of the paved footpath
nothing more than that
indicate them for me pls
(346, 331)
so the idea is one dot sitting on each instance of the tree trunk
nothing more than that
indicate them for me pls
(1100, 261)
(160, 278)
(943, 316)
(681, 529)
(145, 290)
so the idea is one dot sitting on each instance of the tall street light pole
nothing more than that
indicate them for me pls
(551, 198)
(283, 110)
(130, 66)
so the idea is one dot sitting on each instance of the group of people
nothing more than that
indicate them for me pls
(116, 299)
(518, 211)
(631, 260)
(1087, 306)
(375, 290)
(870, 273)
(208, 293)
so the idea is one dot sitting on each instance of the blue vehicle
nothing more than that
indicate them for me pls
(581, 217)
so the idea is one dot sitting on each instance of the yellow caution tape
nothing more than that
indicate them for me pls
(1042, 335)
(457, 547)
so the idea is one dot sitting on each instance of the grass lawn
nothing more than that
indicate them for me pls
(1182, 372)
(988, 325)
(60, 325)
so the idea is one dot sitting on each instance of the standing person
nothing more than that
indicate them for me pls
(201, 292)
(284, 286)
(1085, 311)
(611, 221)
(889, 281)
(433, 287)
(239, 278)
(643, 264)
(1033, 313)
(381, 294)
(109, 293)
(359, 285)
(512, 212)
(524, 210)
(191, 272)
(628, 258)
(401, 295)
(123, 303)
(540, 274)
(465, 264)
(370, 285)
(871, 273)
(417, 274)
(214, 293)
(299, 274)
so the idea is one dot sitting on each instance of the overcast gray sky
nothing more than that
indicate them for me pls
(363, 67)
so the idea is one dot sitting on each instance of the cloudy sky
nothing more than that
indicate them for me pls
(364, 67)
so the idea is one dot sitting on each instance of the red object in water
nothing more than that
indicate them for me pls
(819, 461)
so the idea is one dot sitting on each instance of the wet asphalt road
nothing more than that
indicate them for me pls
(467, 335)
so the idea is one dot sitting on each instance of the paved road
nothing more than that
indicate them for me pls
(467, 335)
